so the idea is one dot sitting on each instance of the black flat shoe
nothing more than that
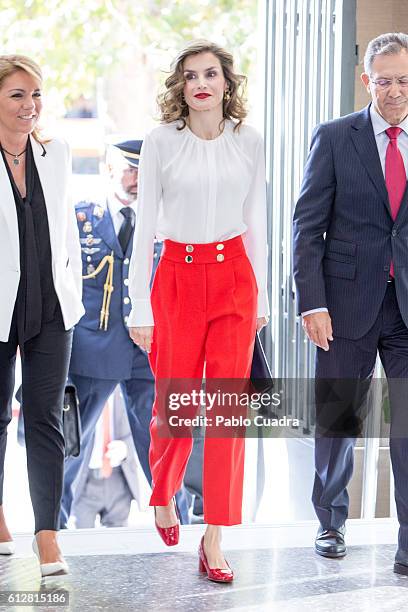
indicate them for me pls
(330, 543)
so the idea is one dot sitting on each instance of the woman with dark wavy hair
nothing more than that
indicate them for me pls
(202, 190)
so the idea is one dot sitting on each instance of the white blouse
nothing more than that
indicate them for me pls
(193, 190)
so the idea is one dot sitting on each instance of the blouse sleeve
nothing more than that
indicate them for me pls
(140, 269)
(255, 238)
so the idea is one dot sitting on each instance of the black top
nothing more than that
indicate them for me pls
(36, 298)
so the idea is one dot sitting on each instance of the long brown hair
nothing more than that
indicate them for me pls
(171, 101)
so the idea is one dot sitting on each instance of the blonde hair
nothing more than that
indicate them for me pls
(171, 101)
(10, 64)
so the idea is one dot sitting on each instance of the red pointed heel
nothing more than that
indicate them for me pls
(169, 535)
(214, 574)
(201, 566)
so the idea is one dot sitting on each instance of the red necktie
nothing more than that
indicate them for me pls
(395, 176)
(106, 465)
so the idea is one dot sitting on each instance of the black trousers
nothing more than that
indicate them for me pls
(44, 371)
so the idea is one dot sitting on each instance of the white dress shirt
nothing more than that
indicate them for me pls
(382, 140)
(193, 190)
(115, 206)
(98, 451)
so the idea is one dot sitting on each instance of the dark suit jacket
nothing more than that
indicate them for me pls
(344, 235)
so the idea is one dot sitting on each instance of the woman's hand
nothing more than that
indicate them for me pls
(261, 322)
(142, 336)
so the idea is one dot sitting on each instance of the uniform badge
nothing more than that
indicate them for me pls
(90, 269)
(90, 251)
(98, 212)
(87, 227)
(81, 216)
(89, 240)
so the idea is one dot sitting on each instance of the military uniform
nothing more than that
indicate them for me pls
(98, 352)
(103, 355)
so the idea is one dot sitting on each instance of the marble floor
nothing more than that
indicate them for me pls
(270, 577)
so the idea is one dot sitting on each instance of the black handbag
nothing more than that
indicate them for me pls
(261, 376)
(71, 422)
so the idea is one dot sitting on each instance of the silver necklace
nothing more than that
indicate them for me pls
(16, 156)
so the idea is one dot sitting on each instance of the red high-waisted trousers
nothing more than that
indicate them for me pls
(204, 301)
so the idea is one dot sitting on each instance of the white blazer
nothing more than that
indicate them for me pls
(53, 162)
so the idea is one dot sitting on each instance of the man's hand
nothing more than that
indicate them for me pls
(117, 452)
(318, 329)
(142, 336)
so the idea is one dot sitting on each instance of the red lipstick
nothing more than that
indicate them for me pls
(202, 96)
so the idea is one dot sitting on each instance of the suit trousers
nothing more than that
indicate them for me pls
(204, 300)
(44, 372)
(353, 361)
(109, 497)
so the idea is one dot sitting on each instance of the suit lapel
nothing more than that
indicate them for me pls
(8, 211)
(104, 227)
(403, 207)
(47, 171)
(363, 138)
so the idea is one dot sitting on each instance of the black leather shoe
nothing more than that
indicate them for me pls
(401, 562)
(330, 542)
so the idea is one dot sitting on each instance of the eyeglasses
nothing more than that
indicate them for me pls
(386, 83)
